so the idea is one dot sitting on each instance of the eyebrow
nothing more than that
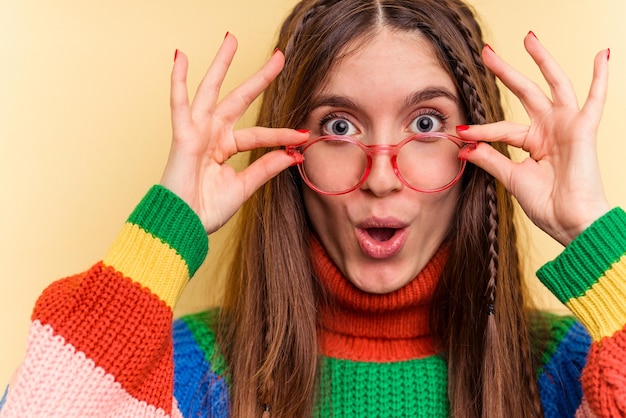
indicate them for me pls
(411, 101)
(429, 94)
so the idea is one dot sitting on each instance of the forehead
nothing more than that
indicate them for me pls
(388, 61)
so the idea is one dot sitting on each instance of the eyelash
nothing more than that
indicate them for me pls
(329, 116)
(422, 112)
(432, 112)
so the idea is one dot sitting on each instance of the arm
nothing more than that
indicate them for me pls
(100, 342)
(589, 277)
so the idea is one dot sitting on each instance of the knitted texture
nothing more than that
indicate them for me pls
(357, 325)
(102, 343)
(416, 388)
(590, 278)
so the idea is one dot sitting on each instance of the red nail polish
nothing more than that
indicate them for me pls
(490, 48)
(226, 36)
(462, 128)
(530, 32)
(299, 158)
(608, 53)
(276, 50)
(304, 131)
(175, 55)
(464, 153)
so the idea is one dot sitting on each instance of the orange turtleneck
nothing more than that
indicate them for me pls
(361, 326)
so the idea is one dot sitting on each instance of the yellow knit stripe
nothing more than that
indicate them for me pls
(602, 309)
(150, 262)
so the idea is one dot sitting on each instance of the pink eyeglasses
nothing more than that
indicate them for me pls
(425, 162)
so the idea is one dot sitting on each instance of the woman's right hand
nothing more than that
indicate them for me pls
(204, 139)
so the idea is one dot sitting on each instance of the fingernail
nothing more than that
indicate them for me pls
(276, 50)
(304, 131)
(530, 32)
(608, 53)
(461, 128)
(226, 36)
(464, 153)
(175, 55)
(490, 48)
(298, 158)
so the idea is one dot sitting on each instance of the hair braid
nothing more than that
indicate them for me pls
(492, 387)
(492, 393)
(313, 38)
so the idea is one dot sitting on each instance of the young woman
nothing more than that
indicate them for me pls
(375, 269)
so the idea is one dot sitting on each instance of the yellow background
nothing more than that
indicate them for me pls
(84, 119)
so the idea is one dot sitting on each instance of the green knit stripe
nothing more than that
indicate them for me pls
(585, 260)
(202, 326)
(167, 217)
(415, 388)
(548, 331)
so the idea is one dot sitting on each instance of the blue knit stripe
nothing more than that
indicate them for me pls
(4, 397)
(559, 382)
(200, 392)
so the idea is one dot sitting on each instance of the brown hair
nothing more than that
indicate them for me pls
(267, 328)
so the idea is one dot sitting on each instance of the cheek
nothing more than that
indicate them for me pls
(319, 209)
(328, 219)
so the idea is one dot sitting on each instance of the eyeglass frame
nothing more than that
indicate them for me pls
(370, 150)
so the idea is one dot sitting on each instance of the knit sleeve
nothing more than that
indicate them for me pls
(589, 277)
(100, 342)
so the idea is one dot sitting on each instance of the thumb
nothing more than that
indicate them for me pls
(492, 161)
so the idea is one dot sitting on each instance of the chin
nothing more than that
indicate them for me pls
(380, 284)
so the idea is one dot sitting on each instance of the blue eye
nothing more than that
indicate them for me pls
(426, 123)
(338, 126)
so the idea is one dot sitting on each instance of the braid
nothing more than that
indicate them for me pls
(463, 16)
(492, 388)
(312, 39)
(492, 201)
(294, 29)
(314, 7)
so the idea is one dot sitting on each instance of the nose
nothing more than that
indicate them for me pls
(382, 179)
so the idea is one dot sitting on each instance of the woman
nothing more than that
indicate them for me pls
(392, 294)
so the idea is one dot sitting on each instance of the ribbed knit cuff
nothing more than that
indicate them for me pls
(589, 277)
(161, 246)
(167, 217)
(588, 256)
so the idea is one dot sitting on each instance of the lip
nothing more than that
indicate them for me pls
(381, 249)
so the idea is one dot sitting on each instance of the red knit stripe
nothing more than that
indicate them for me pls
(378, 350)
(114, 321)
(604, 378)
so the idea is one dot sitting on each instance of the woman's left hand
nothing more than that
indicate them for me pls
(558, 186)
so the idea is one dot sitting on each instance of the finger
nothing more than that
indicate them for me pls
(179, 97)
(560, 85)
(594, 105)
(237, 101)
(264, 169)
(493, 162)
(258, 137)
(507, 132)
(531, 96)
(209, 88)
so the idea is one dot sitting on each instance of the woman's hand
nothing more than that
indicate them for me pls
(558, 185)
(204, 139)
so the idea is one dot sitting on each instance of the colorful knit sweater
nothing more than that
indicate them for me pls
(101, 343)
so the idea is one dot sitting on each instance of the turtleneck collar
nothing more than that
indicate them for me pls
(361, 326)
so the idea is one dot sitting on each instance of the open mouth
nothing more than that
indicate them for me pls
(381, 234)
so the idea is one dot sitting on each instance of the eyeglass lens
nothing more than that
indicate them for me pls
(337, 164)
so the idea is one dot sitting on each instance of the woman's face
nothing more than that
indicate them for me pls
(382, 234)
